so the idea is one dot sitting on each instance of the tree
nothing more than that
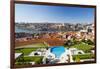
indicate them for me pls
(89, 42)
(68, 43)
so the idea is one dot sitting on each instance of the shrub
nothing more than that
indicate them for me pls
(89, 42)
(77, 59)
(83, 56)
(68, 43)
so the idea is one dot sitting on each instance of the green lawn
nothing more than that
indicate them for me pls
(83, 46)
(36, 59)
(25, 51)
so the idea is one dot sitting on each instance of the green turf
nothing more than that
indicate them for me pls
(82, 46)
(36, 59)
(25, 51)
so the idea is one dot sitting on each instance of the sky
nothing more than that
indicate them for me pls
(52, 14)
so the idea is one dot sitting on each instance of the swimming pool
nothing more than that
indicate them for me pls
(57, 50)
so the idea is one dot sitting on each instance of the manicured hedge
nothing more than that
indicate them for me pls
(23, 63)
(83, 56)
(36, 59)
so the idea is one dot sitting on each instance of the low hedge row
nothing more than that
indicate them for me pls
(83, 56)
(36, 59)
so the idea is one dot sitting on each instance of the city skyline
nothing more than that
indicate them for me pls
(53, 14)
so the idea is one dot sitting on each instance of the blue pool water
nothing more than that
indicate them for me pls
(57, 50)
